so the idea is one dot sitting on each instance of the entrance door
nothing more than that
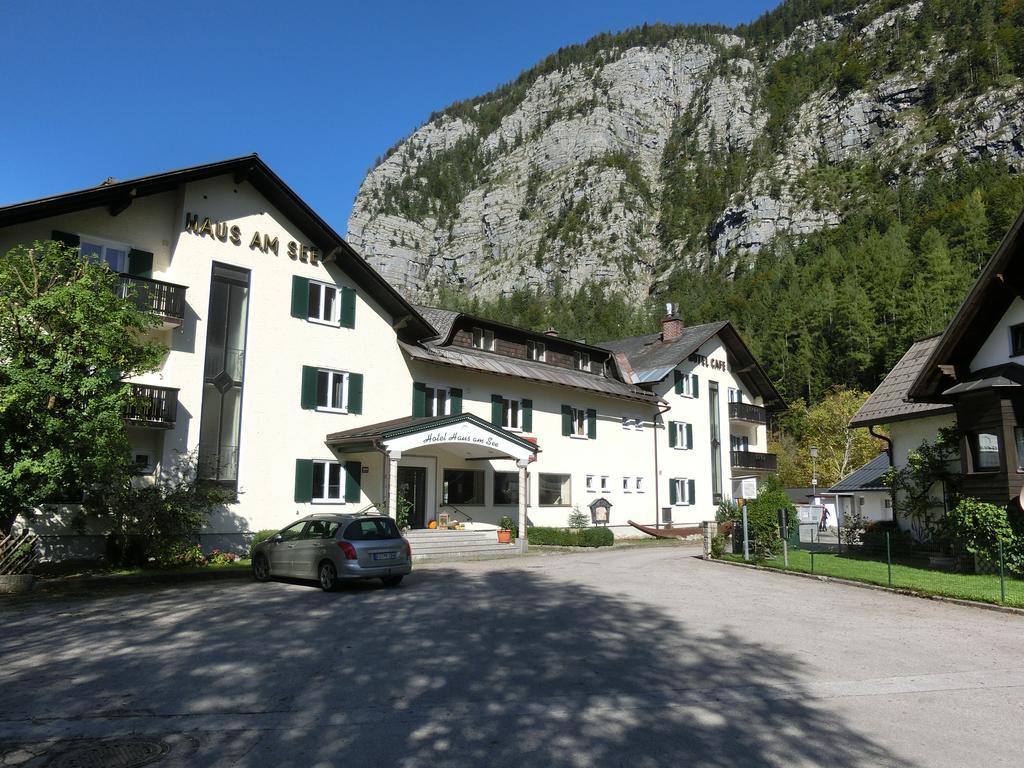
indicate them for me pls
(412, 488)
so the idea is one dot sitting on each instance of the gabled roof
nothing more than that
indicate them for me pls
(490, 362)
(867, 478)
(374, 434)
(117, 196)
(1000, 282)
(889, 402)
(652, 359)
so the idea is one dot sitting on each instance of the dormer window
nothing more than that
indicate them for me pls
(1017, 340)
(583, 361)
(535, 350)
(483, 339)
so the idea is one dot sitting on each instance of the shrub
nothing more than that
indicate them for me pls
(259, 536)
(572, 537)
(727, 510)
(217, 557)
(718, 546)
(577, 520)
(980, 527)
(177, 554)
(873, 537)
(763, 521)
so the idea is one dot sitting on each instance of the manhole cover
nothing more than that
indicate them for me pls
(120, 753)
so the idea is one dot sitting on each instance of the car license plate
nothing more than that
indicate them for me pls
(383, 555)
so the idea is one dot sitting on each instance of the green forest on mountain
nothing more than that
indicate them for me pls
(839, 307)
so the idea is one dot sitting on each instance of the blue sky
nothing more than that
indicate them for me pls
(318, 89)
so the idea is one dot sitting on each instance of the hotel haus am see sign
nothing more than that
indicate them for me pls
(257, 241)
(463, 433)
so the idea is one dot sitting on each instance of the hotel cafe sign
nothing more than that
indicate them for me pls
(257, 241)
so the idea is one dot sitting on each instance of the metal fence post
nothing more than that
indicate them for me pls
(812, 561)
(888, 556)
(746, 539)
(1002, 579)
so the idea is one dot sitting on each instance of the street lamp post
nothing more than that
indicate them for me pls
(814, 469)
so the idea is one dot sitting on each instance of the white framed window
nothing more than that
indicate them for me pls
(582, 360)
(331, 390)
(328, 487)
(681, 491)
(604, 483)
(639, 484)
(686, 384)
(680, 435)
(437, 402)
(536, 350)
(97, 251)
(323, 303)
(554, 490)
(511, 414)
(627, 484)
(579, 422)
(589, 484)
(739, 442)
(735, 395)
(483, 339)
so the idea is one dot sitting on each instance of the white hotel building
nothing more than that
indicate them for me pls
(306, 382)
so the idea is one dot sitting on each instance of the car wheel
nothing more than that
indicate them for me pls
(327, 577)
(260, 568)
(391, 581)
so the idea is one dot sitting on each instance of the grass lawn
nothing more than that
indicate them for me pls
(928, 581)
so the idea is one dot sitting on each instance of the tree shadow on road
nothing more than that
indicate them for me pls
(456, 668)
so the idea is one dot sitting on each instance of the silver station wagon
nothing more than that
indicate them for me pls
(332, 548)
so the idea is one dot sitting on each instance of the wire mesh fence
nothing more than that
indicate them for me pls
(884, 555)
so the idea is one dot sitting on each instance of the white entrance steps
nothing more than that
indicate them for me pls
(441, 545)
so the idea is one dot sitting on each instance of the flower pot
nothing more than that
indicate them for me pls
(504, 536)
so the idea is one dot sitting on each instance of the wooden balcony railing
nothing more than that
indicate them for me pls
(165, 299)
(153, 406)
(754, 414)
(762, 462)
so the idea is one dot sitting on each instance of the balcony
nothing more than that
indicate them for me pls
(758, 462)
(752, 414)
(155, 407)
(166, 300)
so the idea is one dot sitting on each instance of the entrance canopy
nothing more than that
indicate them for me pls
(463, 434)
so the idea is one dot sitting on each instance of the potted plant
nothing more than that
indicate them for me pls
(505, 530)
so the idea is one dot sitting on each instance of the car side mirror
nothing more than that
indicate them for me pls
(277, 538)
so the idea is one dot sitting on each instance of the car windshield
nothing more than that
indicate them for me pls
(373, 529)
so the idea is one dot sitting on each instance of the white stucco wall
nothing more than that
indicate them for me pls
(996, 350)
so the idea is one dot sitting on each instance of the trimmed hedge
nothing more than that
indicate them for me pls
(571, 537)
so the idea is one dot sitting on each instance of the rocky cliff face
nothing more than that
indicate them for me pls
(630, 162)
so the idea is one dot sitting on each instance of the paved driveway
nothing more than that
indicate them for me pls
(634, 657)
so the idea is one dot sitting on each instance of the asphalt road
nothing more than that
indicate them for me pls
(633, 657)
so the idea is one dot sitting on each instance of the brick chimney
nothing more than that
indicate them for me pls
(671, 325)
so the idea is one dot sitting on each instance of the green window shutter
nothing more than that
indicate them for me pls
(690, 494)
(353, 479)
(673, 439)
(355, 393)
(591, 423)
(694, 385)
(419, 399)
(689, 436)
(66, 238)
(672, 497)
(455, 400)
(496, 419)
(309, 374)
(348, 308)
(527, 412)
(300, 297)
(678, 382)
(140, 263)
(566, 420)
(303, 480)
